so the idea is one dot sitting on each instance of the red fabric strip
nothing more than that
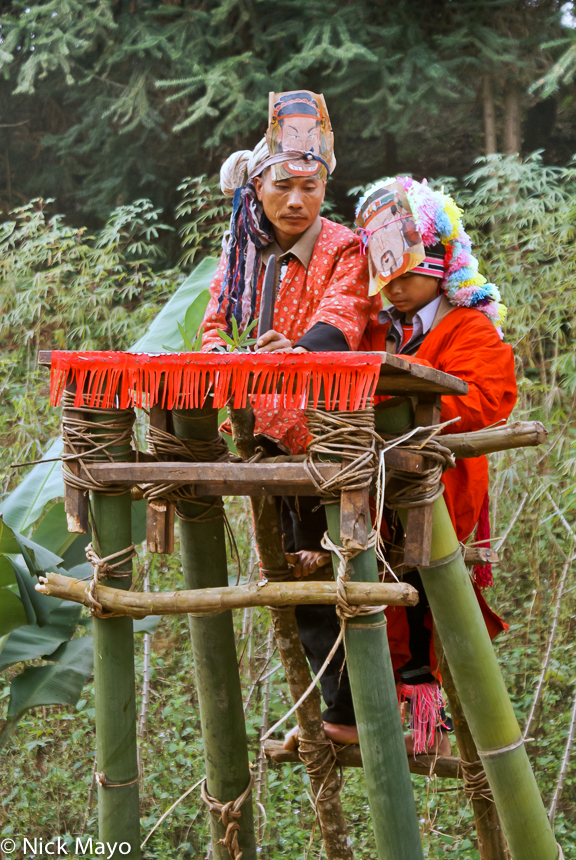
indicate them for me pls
(121, 379)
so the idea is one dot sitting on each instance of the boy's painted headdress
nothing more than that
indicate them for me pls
(435, 221)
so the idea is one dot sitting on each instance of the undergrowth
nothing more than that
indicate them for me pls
(522, 217)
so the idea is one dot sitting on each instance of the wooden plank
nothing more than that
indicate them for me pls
(397, 376)
(159, 526)
(355, 517)
(159, 512)
(446, 767)
(76, 501)
(419, 521)
(267, 476)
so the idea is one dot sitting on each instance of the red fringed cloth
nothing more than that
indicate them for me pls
(346, 380)
(426, 704)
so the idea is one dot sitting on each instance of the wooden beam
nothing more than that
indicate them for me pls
(139, 604)
(447, 767)
(238, 479)
(159, 512)
(480, 555)
(418, 540)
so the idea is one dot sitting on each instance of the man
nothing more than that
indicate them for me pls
(322, 301)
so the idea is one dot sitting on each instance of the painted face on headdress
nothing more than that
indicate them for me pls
(298, 120)
(389, 232)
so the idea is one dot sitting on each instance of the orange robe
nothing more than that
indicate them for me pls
(464, 344)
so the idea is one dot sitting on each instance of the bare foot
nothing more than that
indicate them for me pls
(291, 739)
(340, 733)
(440, 745)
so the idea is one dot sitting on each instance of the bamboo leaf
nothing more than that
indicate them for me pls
(195, 314)
(185, 339)
(226, 338)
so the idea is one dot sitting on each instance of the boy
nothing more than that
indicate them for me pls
(441, 313)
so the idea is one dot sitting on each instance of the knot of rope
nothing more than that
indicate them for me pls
(103, 781)
(104, 568)
(165, 446)
(320, 760)
(417, 490)
(345, 555)
(476, 784)
(349, 436)
(229, 814)
(90, 441)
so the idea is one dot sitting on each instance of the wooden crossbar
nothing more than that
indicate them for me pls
(447, 767)
(140, 604)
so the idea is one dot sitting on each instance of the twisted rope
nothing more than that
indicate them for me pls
(349, 436)
(93, 441)
(229, 814)
(320, 758)
(165, 446)
(417, 491)
(104, 568)
(476, 785)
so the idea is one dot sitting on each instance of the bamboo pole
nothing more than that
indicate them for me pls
(267, 536)
(491, 842)
(141, 604)
(203, 548)
(114, 684)
(483, 695)
(388, 783)
(518, 434)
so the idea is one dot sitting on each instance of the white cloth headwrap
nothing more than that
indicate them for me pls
(242, 165)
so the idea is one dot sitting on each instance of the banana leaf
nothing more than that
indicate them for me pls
(32, 641)
(45, 685)
(163, 334)
(43, 483)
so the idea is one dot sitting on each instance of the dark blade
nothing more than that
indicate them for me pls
(266, 319)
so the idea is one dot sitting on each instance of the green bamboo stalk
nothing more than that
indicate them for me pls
(386, 771)
(484, 697)
(114, 682)
(203, 548)
(323, 781)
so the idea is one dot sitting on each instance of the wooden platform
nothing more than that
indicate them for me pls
(397, 376)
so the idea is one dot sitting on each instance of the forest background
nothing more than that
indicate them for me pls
(115, 116)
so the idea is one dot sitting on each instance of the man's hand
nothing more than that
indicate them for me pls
(273, 341)
(307, 561)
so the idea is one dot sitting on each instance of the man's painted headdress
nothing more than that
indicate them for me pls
(299, 126)
(436, 222)
(298, 143)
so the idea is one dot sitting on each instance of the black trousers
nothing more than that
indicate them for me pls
(302, 524)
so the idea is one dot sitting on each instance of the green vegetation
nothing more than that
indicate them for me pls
(105, 105)
(74, 288)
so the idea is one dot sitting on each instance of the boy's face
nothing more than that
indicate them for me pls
(410, 293)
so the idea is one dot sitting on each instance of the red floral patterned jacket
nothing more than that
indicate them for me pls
(333, 289)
